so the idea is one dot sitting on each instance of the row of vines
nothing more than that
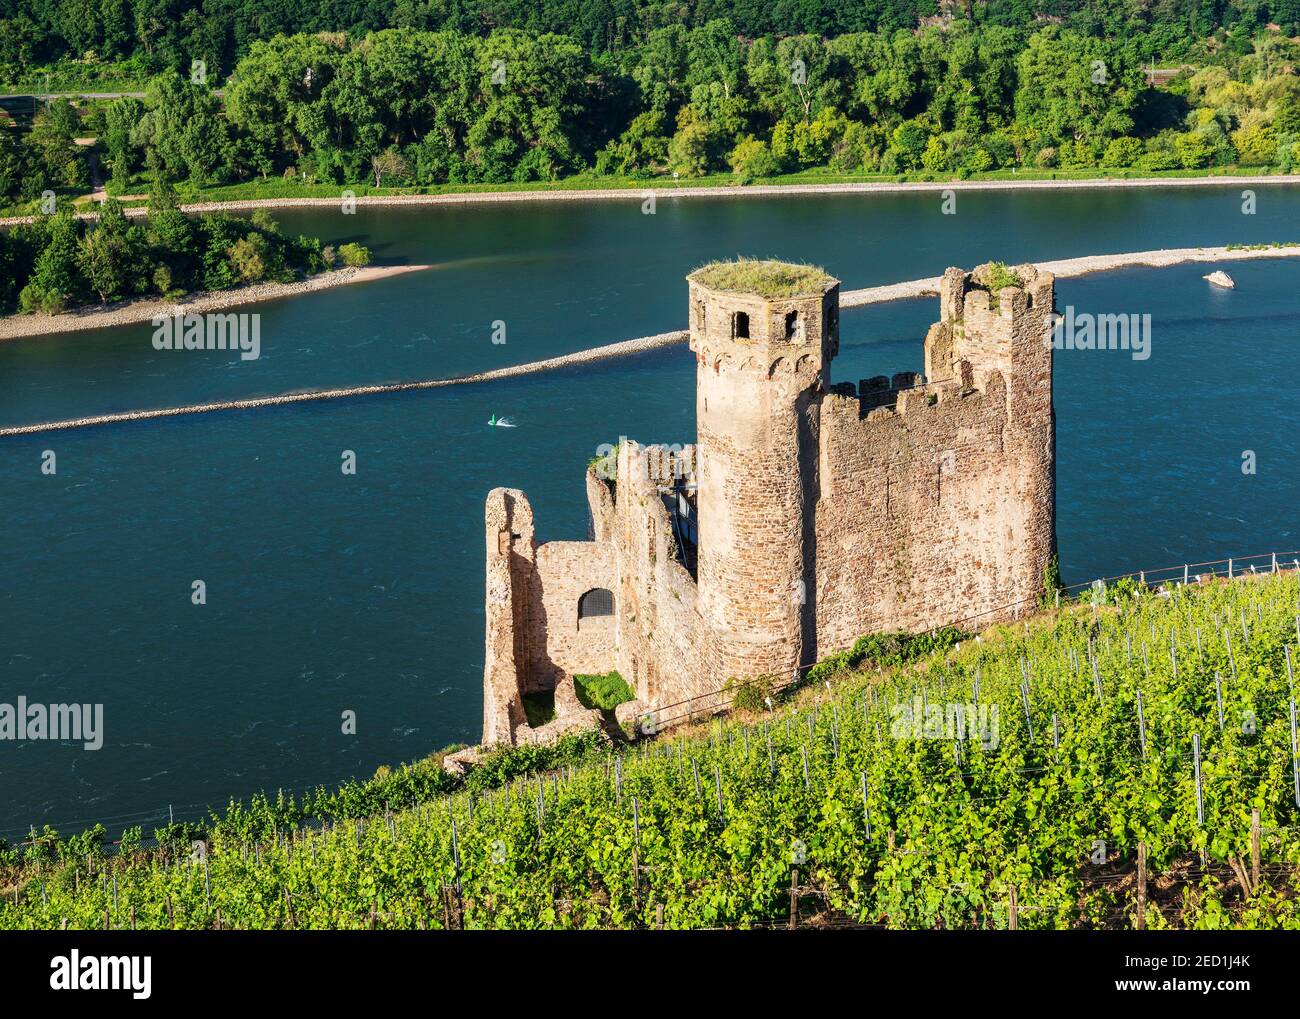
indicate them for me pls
(1030, 761)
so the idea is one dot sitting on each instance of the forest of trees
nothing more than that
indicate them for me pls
(405, 107)
(59, 261)
(172, 33)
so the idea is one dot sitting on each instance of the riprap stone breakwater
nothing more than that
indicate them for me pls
(928, 287)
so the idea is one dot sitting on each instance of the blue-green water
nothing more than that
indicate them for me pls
(329, 593)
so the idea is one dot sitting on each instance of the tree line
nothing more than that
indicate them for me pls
(160, 34)
(405, 107)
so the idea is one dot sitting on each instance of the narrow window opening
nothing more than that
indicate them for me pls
(793, 328)
(740, 326)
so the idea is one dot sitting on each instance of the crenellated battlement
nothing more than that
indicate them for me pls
(994, 317)
(806, 513)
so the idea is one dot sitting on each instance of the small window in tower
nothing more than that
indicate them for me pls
(740, 326)
(793, 328)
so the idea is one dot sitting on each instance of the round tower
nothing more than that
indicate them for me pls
(763, 334)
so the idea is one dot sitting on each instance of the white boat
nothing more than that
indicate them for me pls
(1220, 279)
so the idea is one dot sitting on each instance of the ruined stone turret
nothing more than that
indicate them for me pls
(764, 334)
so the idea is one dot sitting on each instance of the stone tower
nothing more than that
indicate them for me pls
(763, 334)
(999, 320)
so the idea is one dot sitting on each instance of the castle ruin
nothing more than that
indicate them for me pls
(806, 515)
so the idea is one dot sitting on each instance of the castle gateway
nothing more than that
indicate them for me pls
(806, 514)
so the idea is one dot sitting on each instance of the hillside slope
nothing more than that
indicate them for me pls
(1083, 733)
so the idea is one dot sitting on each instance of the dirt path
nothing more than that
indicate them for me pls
(634, 194)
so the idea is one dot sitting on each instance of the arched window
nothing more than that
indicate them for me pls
(740, 326)
(596, 602)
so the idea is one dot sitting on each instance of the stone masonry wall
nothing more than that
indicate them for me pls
(823, 515)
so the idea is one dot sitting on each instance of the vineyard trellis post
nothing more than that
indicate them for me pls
(636, 856)
(1295, 756)
(1142, 726)
(794, 898)
(1196, 765)
(455, 863)
(1254, 847)
(1024, 694)
(1141, 919)
(866, 810)
(1013, 909)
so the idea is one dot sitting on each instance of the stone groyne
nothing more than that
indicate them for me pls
(612, 350)
(1066, 268)
(1063, 268)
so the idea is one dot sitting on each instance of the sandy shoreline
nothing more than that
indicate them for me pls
(15, 327)
(1063, 268)
(717, 191)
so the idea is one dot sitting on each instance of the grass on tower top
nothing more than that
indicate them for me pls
(765, 277)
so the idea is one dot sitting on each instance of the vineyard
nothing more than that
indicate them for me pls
(1126, 760)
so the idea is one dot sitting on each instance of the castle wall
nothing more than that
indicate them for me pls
(559, 643)
(661, 637)
(923, 515)
(509, 576)
(823, 515)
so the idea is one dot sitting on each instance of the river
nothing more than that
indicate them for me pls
(329, 593)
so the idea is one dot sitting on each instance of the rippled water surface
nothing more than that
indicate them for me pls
(329, 593)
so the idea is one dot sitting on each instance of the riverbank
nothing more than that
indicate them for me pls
(722, 187)
(1063, 269)
(145, 309)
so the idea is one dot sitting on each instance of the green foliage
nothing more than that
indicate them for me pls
(752, 159)
(1121, 152)
(545, 833)
(52, 139)
(998, 275)
(1051, 579)
(539, 707)
(56, 280)
(60, 262)
(354, 255)
(605, 692)
(884, 650)
(765, 277)
(751, 694)
(121, 120)
(849, 91)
